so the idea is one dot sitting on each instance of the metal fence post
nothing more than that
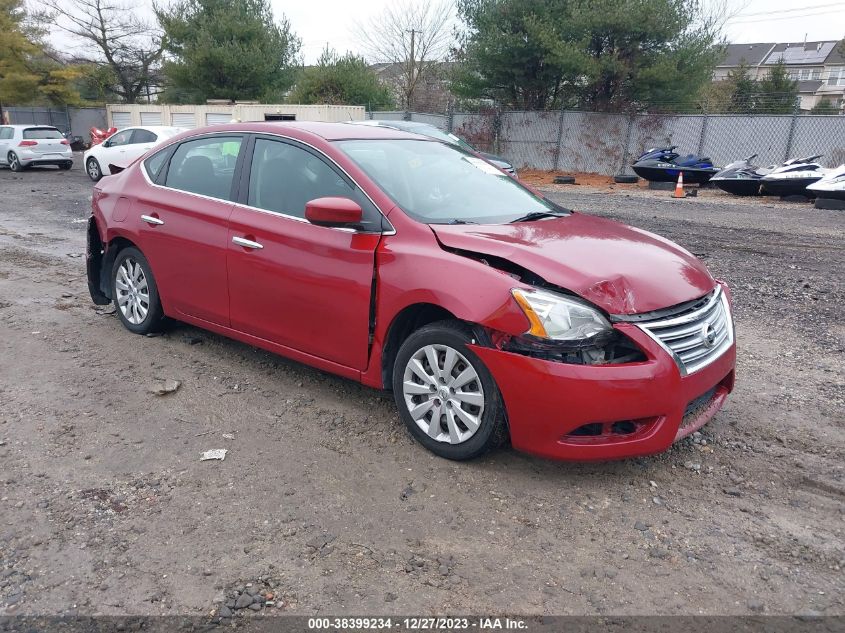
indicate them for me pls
(559, 139)
(497, 126)
(450, 117)
(625, 151)
(703, 133)
(791, 136)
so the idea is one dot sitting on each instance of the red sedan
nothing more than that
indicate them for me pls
(412, 265)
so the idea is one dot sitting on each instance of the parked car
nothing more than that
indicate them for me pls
(436, 133)
(23, 146)
(124, 146)
(413, 265)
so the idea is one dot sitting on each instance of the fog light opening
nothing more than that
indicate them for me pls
(623, 428)
(609, 431)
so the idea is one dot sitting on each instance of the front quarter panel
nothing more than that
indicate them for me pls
(413, 269)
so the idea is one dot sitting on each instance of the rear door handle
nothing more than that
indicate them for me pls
(151, 220)
(240, 241)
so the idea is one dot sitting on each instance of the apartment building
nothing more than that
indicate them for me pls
(818, 67)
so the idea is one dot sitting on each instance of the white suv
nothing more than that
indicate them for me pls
(23, 146)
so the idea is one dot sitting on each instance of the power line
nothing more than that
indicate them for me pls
(820, 6)
(784, 17)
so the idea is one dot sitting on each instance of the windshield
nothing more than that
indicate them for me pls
(437, 134)
(441, 184)
(41, 133)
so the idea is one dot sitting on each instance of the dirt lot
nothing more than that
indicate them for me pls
(326, 502)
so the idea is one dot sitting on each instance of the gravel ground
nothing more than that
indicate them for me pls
(325, 505)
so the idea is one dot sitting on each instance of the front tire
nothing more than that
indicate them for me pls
(92, 167)
(135, 293)
(14, 162)
(445, 395)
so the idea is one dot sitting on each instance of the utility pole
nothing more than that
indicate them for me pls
(412, 62)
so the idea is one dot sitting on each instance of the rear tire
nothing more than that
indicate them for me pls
(14, 162)
(135, 293)
(455, 409)
(66, 166)
(92, 167)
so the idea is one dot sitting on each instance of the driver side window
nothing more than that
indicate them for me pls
(285, 177)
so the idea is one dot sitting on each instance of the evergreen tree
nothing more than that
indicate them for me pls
(341, 80)
(227, 49)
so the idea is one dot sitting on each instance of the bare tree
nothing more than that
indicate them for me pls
(413, 34)
(111, 35)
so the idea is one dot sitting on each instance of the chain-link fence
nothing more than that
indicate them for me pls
(583, 141)
(608, 143)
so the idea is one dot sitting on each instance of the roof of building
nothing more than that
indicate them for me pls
(801, 53)
(809, 85)
(792, 54)
(837, 55)
(751, 54)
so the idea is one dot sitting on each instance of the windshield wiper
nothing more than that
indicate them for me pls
(538, 215)
(456, 221)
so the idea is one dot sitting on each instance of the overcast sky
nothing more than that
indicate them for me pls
(321, 22)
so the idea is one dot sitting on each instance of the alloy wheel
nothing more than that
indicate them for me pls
(443, 393)
(93, 169)
(14, 161)
(133, 292)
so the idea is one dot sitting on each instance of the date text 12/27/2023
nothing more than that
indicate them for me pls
(417, 623)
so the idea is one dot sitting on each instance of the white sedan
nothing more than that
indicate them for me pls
(123, 147)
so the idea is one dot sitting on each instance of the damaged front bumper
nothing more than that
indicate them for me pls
(95, 263)
(600, 412)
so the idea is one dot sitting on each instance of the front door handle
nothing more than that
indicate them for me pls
(151, 220)
(240, 241)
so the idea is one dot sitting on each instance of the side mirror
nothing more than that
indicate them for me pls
(333, 212)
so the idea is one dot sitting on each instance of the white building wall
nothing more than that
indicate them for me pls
(138, 112)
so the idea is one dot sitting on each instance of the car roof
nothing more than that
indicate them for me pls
(154, 128)
(322, 129)
(29, 126)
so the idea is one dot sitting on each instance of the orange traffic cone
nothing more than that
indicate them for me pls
(679, 188)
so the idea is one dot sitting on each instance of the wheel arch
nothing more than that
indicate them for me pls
(409, 320)
(96, 160)
(109, 254)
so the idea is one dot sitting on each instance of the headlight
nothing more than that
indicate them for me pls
(558, 317)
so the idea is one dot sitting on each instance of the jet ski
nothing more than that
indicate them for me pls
(663, 164)
(792, 178)
(741, 178)
(831, 187)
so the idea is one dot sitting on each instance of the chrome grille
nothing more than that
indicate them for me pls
(698, 337)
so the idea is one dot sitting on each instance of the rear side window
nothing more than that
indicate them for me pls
(205, 166)
(144, 136)
(35, 133)
(154, 164)
(6, 133)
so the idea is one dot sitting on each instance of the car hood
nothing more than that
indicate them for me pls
(619, 268)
